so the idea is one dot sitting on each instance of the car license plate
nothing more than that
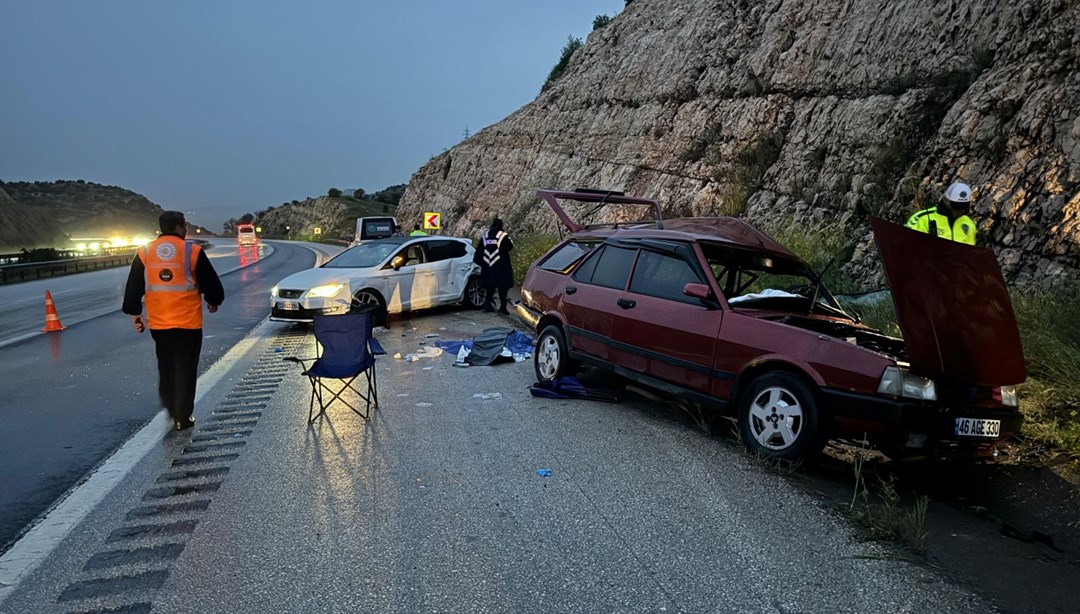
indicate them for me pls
(288, 305)
(974, 427)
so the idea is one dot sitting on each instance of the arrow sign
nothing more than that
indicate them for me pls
(432, 221)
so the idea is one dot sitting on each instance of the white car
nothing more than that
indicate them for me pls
(395, 274)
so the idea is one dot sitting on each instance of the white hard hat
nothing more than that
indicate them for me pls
(958, 193)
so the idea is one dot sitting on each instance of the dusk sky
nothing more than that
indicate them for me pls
(226, 107)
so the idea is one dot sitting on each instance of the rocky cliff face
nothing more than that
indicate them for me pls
(810, 113)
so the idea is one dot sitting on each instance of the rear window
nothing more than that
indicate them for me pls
(444, 250)
(563, 258)
(610, 268)
(377, 229)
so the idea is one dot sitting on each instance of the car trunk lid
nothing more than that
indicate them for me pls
(952, 306)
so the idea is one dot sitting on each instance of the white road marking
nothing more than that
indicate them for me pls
(40, 541)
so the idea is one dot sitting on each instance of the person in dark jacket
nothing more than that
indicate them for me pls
(496, 272)
(174, 277)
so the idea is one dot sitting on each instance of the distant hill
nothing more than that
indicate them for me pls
(23, 227)
(78, 208)
(335, 217)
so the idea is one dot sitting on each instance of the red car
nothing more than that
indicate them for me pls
(716, 311)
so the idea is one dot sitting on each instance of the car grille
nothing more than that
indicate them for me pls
(289, 293)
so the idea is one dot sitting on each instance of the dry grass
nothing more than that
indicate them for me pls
(885, 514)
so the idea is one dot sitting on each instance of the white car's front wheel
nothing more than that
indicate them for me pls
(369, 299)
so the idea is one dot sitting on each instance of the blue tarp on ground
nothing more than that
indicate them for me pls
(517, 345)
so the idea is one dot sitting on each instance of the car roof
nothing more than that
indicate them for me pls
(403, 240)
(727, 230)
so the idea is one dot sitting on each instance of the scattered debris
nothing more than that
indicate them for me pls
(423, 404)
(429, 335)
(404, 394)
(487, 395)
(544, 472)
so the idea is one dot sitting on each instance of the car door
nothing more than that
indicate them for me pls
(659, 331)
(405, 279)
(590, 296)
(448, 262)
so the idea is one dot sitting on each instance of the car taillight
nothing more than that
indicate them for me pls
(1006, 395)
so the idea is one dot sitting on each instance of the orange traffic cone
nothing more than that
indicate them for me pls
(52, 321)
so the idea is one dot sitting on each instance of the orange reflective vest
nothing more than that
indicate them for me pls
(172, 296)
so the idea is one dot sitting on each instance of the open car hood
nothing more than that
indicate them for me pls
(954, 310)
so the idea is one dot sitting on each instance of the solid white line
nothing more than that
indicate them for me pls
(40, 541)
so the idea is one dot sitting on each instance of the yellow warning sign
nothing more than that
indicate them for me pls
(432, 221)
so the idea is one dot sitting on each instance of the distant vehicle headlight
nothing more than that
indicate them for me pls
(325, 291)
(898, 382)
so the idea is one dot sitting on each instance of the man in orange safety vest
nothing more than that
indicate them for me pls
(173, 277)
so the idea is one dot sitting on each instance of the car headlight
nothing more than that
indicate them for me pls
(325, 291)
(1008, 395)
(898, 382)
(273, 292)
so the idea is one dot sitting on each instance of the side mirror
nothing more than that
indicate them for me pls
(697, 290)
(398, 262)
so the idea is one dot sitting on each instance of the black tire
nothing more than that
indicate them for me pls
(779, 417)
(551, 360)
(369, 299)
(474, 295)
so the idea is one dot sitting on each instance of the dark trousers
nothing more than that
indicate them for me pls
(489, 296)
(178, 368)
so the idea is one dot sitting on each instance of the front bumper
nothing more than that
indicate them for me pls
(911, 424)
(305, 309)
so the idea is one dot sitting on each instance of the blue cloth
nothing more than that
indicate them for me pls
(517, 342)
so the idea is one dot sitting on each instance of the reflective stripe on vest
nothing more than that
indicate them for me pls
(492, 251)
(172, 295)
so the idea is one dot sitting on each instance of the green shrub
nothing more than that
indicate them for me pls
(573, 43)
(527, 249)
(600, 21)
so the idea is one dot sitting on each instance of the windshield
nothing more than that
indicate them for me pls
(754, 280)
(362, 256)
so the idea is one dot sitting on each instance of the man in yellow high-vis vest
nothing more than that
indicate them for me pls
(173, 277)
(948, 220)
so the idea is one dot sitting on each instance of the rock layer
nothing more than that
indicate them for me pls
(811, 113)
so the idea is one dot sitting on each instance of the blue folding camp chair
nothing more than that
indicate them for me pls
(348, 351)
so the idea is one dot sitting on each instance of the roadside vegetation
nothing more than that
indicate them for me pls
(527, 249)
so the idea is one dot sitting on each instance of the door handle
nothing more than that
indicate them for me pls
(571, 289)
(625, 303)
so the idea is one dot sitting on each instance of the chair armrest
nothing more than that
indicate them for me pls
(375, 347)
(299, 360)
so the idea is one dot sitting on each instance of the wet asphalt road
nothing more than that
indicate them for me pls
(68, 399)
(435, 505)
